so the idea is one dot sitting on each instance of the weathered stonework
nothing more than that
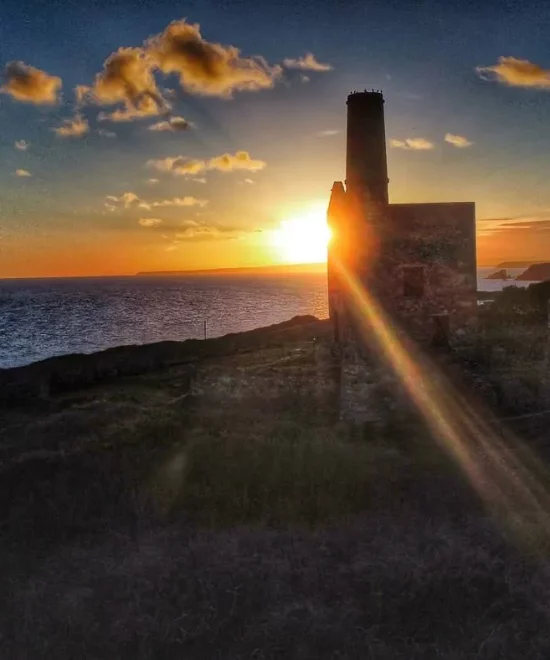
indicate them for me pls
(417, 262)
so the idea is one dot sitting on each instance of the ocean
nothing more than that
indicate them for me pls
(43, 318)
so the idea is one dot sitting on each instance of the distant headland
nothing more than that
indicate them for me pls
(517, 264)
(282, 269)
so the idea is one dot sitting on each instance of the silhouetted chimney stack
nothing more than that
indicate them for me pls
(366, 165)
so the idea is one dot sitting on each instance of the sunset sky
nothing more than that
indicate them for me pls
(156, 136)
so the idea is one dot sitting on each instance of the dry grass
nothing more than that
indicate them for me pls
(241, 522)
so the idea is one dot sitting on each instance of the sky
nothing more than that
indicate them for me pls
(157, 136)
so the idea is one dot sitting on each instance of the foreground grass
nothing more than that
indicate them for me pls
(238, 520)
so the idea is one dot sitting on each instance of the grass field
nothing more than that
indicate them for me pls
(219, 511)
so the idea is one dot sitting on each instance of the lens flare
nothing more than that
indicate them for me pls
(304, 238)
(509, 477)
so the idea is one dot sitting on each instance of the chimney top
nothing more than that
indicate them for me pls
(366, 95)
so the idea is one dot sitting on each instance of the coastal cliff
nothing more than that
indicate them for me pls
(536, 273)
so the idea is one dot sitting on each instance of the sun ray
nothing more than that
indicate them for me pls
(508, 477)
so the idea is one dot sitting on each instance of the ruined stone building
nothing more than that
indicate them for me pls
(418, 261)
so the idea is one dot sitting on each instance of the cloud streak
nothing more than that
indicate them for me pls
(22, 173)
(172, 125)
(516, 73)
(130, 200)
(183, 166)
(178, 165)
(21, 145)
(180, 201)
(30, 85)
(412, 144)
(127, 200)
(307, 63)
(149, 222)
(75, 127)
(458, 141)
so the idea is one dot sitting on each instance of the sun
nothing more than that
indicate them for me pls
(303, 239)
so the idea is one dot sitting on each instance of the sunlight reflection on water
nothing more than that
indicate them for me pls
(42, 318)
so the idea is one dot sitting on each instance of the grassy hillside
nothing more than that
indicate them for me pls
(217, 509)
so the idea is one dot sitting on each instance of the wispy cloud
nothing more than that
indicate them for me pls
(241, 160)
(458, 141)
(521, 237)
(152, 182)
(172, 125)
(180, 201)
(328, 133)
(202, 233)
(250, 181)
(22, 145)
(307, 63)
(516, 73)
(149, 222)
(29, 84)
(105, 133)
(178, 165)
(413, 144)
(22, 173)
(75, 127)
(130, 200)
(127, 200)
(184, 166)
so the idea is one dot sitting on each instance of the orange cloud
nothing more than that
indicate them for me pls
(458, 141)
(73, 127)
(172, 125)
(127, 200)
(207, 68)
(26, 83)
(147, 108)
(130, 200)
(127, 78)
(180, 201)
(306, 63)
(22, 173)
(414, 144)
(240, 161)
(149, 222)
(516, 73)
(206, 233)
(178, 165)
(183, 166)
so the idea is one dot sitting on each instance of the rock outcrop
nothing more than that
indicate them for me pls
(501, 274)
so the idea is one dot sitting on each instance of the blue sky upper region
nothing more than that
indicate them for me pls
(157, 135)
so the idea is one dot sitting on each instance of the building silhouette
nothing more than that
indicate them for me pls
(417, 261)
